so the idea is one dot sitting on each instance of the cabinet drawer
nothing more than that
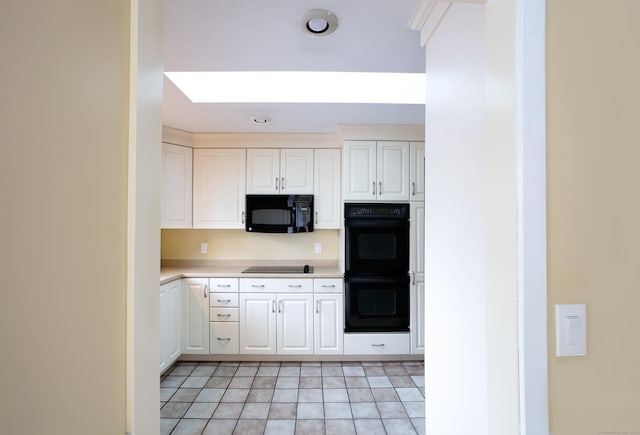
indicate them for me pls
(224, 284)
(328, 285)
(384, 344)
(223, 314)
(276, 285)
(224, 338)
(223, 299)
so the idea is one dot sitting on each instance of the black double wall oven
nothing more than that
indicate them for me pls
(376, 267)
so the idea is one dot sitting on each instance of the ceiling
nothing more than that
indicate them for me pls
(268, 35)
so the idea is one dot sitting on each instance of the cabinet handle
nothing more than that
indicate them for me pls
(328, 286)
(273, 306)
(318, 307)
(223, 339)
(223, 285)
(276, 183)
(413, 278)
(280, 306)
(242, 218)
(380, 189)
(257, 285)
(316, 218)
(378, 345)
(224, 315)
(205, 290)
(374, 188)
(413, 188)
(295, 285)
(224, 301)
(282, 183)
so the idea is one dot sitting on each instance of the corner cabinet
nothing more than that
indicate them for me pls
(416, 267)
(195, 316)
(279, 171)
(219, 185)
(170, 338)
(376, 170)
(326, 188)
(176, 186)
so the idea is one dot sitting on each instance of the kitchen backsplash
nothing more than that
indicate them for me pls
(185, 244)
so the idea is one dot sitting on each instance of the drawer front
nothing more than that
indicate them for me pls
(328, 285)
(372, 344)
(224, 338)
(223, 314)
(276, 285)
(224, 284)
(223, 299)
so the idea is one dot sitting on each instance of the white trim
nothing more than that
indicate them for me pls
(532, 236)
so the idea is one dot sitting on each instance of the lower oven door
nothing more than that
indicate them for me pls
(376, 303)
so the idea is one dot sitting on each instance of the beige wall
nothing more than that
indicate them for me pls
(240, 245)
(593, 163)
(63, 184)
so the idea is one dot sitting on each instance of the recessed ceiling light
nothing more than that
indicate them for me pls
(261, 119)
(320, 22)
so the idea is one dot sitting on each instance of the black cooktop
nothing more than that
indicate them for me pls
(279, 269)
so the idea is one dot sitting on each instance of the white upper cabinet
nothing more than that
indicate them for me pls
(176, 186)
(326, 188)
(219, 177)
(279, 171)
(417, 171)
(376, 170)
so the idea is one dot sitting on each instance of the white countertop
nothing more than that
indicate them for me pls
(172, 269)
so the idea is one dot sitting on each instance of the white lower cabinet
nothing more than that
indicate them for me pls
(276, 316)
(376, 344)
(195, 316)
(417, 317)
(328, 324)
(170, 340)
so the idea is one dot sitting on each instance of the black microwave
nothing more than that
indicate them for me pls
(279, 213)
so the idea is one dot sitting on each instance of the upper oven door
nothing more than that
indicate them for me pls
(378, 246)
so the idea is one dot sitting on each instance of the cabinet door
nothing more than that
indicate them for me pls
(328, 323)
(296, 171)
(263, 171)
(416, 236)
(257, 323)
(393, 171)
(219, 177)
(176, 186)
(417, 171)
(164, 306)
(174, 337)
(195, 316)
(359, 170)
(326, 188)
(417, 317)
(295, 324)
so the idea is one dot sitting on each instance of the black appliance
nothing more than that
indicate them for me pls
(279, 213)
(376, 267)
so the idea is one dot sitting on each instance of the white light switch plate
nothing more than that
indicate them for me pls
(571, 329)
(204, 248)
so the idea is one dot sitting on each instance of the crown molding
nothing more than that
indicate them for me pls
(429, 13)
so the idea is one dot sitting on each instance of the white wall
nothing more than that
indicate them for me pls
(471, 355)
(455, 233)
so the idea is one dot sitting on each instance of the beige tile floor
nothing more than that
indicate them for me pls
(293, 398)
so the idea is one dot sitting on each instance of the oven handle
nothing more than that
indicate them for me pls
(375, 278)
(376, 223)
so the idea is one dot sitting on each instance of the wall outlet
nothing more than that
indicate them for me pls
(204, 248)
(318, 248)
